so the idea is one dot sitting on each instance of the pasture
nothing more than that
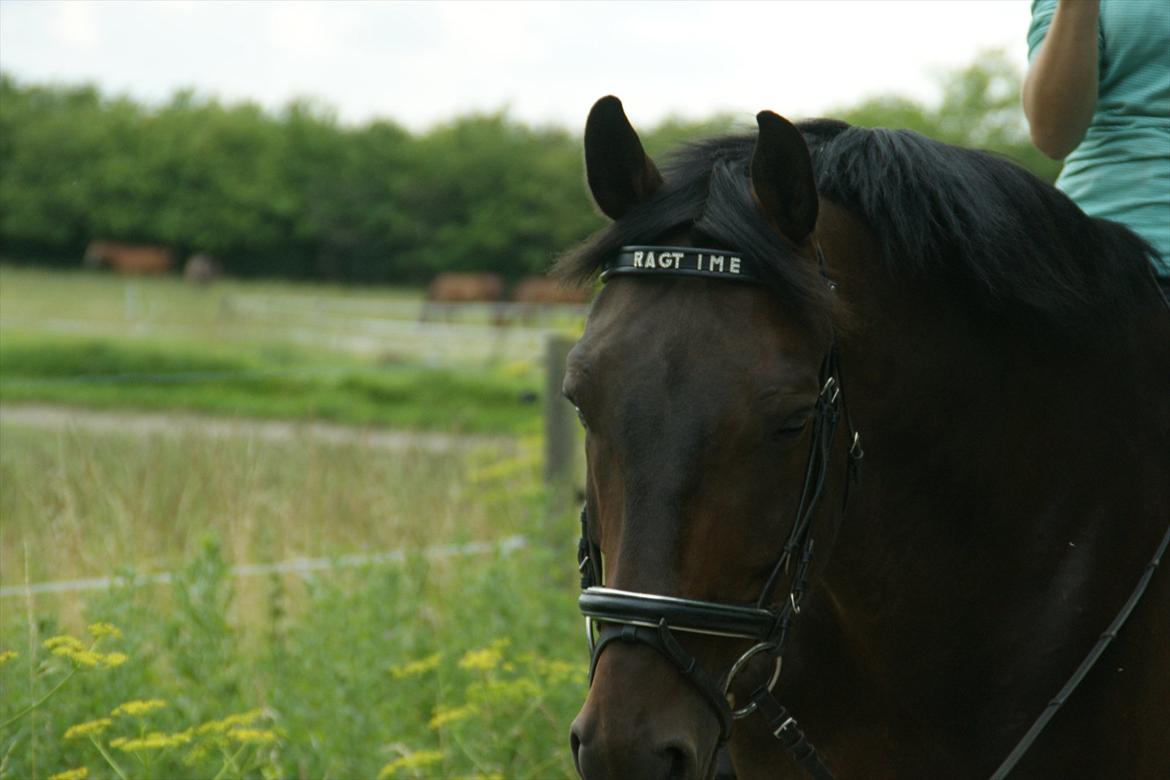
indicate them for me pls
(434, 633)
(276, 350)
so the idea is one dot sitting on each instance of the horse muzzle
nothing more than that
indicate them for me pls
(642, 721)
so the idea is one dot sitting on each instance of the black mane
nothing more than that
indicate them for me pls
(996, 232)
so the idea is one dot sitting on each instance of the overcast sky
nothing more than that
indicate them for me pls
(545, 62)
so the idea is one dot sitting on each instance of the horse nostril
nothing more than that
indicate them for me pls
(575, 742)
(682, 767)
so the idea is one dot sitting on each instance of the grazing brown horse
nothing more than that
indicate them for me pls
(453, 287)
(536, 296)
(541, 291)
(129, 259)
(1005, 360)
(459, 288)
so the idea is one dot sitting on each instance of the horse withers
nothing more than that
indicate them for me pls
(997, 361)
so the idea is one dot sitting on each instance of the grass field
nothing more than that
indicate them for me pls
(265, 350)
(452, 666)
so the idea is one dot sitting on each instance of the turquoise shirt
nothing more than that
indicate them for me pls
(1121, 170)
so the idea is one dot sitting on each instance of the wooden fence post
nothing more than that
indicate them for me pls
(560, 419)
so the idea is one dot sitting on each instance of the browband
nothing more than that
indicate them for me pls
(683, 261)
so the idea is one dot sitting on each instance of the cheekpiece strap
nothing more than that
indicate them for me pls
(683, 261)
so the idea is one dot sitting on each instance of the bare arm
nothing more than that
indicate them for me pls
(1060, 90)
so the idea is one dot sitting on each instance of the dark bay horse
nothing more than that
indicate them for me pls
(1005, 360)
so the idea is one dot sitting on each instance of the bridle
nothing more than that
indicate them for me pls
(652, 619)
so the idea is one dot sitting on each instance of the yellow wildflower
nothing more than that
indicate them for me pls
(197, 754)
(111, 660)
(138, 707)
(258, 736)
(445, 715)
(7, 656)
(152, 741)
(518, 690)
(80, 773)
(486, 658)
(88, 728)
(415, 668)
(414, 760)
(62, 640)
(239, 719)
(99, 630)
(80, 657)
(557, 671)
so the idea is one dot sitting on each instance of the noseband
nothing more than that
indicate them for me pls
(652, 619)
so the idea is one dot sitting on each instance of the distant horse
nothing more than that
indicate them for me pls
(782, 304)
(536, 294)
(461, 288)
(202, 268)
(129, 259)
(540, 290)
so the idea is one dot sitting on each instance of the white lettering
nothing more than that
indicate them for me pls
(699, 264)
(650, 260)
(734, 265)
(716, 262)
(638, 259)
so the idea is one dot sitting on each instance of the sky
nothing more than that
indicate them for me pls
(422, 63)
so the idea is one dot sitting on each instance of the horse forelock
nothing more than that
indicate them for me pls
(707, 192)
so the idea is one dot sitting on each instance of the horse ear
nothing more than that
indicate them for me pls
(620, 174)
(782, 176)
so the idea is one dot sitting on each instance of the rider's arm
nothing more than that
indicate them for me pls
(1060, 90)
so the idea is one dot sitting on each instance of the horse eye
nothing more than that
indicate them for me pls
(793, 424)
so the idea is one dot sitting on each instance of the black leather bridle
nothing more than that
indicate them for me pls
(652, 619)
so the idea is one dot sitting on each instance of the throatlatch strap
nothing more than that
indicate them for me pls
(785, 729)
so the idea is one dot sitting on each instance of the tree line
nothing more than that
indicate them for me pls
(298, 194)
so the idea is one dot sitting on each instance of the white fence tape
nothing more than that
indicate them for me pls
(292, 566)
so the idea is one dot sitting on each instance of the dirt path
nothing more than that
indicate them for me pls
(148, 423)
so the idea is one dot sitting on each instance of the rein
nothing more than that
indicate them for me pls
(652, 619)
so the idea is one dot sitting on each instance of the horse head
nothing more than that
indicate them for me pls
(709, 398)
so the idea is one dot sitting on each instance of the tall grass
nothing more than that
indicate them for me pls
(84, 504)
(460, 667)
(473, 664)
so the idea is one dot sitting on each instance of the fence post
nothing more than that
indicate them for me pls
(560, 419)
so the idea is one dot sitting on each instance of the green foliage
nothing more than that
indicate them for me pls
(492, 194)
(980, 108)
(299, 195)
(468, 668)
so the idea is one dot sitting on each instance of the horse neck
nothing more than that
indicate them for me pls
(995, 435)
(1014, 479)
